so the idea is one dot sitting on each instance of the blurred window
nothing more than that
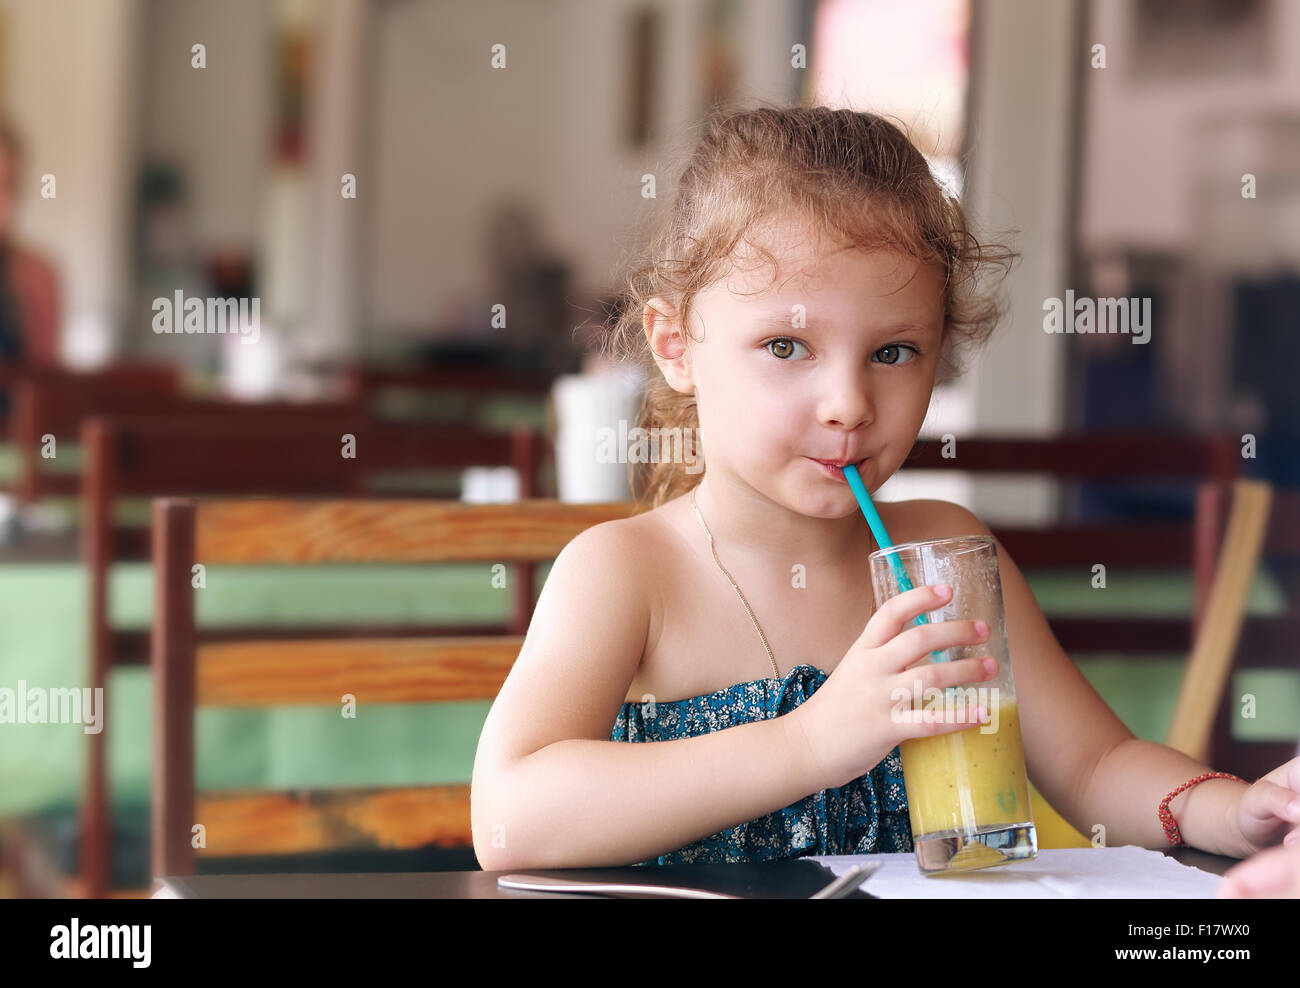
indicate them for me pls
(908, 60)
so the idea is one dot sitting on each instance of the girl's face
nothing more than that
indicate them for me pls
(836, 361)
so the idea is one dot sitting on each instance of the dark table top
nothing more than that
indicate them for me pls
(794, 878)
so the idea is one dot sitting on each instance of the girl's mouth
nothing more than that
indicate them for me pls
(835, 468)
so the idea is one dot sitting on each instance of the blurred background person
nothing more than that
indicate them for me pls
(29, 289)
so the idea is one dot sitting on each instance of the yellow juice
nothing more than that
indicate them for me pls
(967, 781)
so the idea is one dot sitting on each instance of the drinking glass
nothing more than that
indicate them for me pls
(967, 790)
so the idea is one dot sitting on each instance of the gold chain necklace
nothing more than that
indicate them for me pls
(748, 610)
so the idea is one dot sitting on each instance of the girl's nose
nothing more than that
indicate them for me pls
(845, 402)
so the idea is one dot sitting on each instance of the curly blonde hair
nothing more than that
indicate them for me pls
(857, 177)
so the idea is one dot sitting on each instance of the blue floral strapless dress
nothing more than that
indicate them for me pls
(865, 816)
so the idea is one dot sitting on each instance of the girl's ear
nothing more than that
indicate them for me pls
(667, 338)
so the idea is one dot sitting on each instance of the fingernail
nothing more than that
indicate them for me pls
(1291, 838)
(942, 590)
(1293, 807)
(990, 666)
(981, 628)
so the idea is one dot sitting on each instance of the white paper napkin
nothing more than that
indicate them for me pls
(1127, 872)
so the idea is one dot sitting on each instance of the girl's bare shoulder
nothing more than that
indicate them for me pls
(635, 542)
(583, 645)
(621, 562)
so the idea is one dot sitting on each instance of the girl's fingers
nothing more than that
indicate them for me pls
(898, 612)
(945, 674)
(924, 722)
(942, 675)
(915, 643)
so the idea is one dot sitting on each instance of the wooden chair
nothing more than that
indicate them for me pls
(245, 449)
(371, 386)
(58, 403)
(190, 672)
(254, 451)
(55, 402)
(1256, 525)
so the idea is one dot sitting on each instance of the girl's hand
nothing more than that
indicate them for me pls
(1265, 814)
(853, 721)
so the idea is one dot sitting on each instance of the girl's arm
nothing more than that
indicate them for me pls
(1079, 755)
(550, 790)
(1144, 773)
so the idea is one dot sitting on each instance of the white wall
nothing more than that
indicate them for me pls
(70, 74)
(449, 134)
(1023, 64)
(339, 144)
(1021, 131)
(214, 122)
(93, 85)
(1144, 199)
(452, 133)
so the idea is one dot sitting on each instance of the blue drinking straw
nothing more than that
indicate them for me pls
(859, 489)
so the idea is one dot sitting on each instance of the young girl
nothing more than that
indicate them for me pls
(697, 683)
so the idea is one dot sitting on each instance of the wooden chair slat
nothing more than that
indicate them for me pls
(255, 823)
(397, 531)
(57, 401)
(369, 380)
(1095, 456)
(131, 645)
(1253, 759)
(54, 485)
(1138, 636)
(287, 455)
(1266, 642)
(1155, 544)
(272, 673)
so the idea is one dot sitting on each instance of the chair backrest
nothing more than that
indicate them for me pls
(188, 673)
(370, 385)
(1172, 545)
(57, 403)
(263, 452)
(50, 402)
(1264, 641)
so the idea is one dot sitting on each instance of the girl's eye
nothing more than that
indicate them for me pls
(783, 348)
(897, 350)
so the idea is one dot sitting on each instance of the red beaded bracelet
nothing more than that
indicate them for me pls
(1167, 819)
